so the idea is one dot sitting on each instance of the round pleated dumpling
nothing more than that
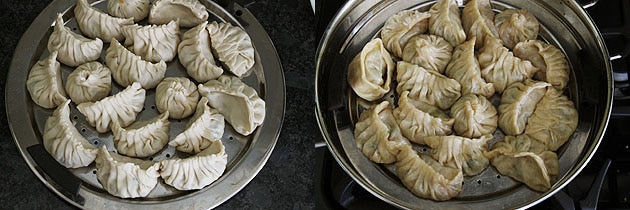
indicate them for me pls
(128, 67)
(73, 49)
(427, 86)
(377, 134)
(500, 67)
(460, 152)
(553, 65)
(474, 116)
(233, 47)
(143, 138)
(517, 105)
(126, 177)
(477, 20)
(95, 23)
(122, 107)
(153, 43)
(89, 82)
(445, 21)
(400, 27)
(44, 82)
(428, 51)
(418, 120)
(203, 129)
(136, 9)
(554, 120)
(195, 172)
(370, 72)
(195, 54)
(178, 96)
(465, 69)
(189, 12)
(516, 25)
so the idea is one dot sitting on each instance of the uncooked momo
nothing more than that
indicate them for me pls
(128, 67)
(203, 129)
(153, 43)
(73, 48)
(64, 142)
(377, 134)
(500, 67)
(94, 23)
(428, 51)
(553, 65)
(89, 82)
(418, 120)
(125, 177)
(143, 138)
(445, 21)
(474, 116)
(462, 153)
(516, 25)
(197, 171)
(236, 101)
(233, 46)
(122, 108)
(370, 72)
(178, 96)
(189, 12)
(44, 82)
(477, 18)
(517, 105)
(465, 69)
(195, 54)
(400, 27)
(136, 9)
(430, 87)
(554, 120)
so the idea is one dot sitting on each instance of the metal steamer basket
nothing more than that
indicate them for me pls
(563, 23)
(246, 154)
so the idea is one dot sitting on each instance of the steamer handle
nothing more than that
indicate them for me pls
(588, 4)
(69, 183)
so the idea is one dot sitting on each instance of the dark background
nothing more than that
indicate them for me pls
(286, 181)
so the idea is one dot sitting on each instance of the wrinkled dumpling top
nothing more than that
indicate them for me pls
(196, 171)
(125, 177)
(400, 27)
(553, 65)
(428, 51)
(89, 82)
(195, 54)
(430, 87)
(95, 23)
(122, 108)
(189, 12)
(377, 134)
(136, 9)
(464, 68)
(477, 20)
(516, 25)
(203, 129)
(418, 120)
(73, 48)
(445, 21)
(142, 138)
(44, 82)
(518, 103)
(233, 47)
(370, 72)
(177, 95)
(554, 120)
(474, 116)
(153, 43)
(462, 153)
(500, 67)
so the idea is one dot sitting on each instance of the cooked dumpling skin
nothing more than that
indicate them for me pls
(445, 21)
(236, 101)
(377, 134)
(189, 12)
(136, 9)
(477, 18)
(153, 43)
(400, 27)
(233, 46)
(428, 51)
(524, 143)
(143, 138)
(518, 103)
(89, 82)
(94, 23)
(554, 120)
(370, 72)
(426, 178)
(516, 25)
(465, 69)
(195, 54)
(196, 171)
(64, 142)
(178, 96)
(553, 65)
(125, 177)
(73, 48)
(203, 129)
(128, 67)
(122, 108)
(462, 153)
(500, 67)
(417, 120)
(430, 87)
(44, 82)
(474, 116)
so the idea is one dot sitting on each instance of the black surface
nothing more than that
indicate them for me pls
(286, 180)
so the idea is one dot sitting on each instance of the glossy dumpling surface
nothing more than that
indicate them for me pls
(516, 25)
(428, 51)
(517, 105)
(377, 134)
(500, 67)
(203, 129)
(461, 152)
(136, 9)
(153, 43)
(125, 177)
(233, 46)
(400, 27)
(464, 68)
(44, 82)
(178, 96)
(370, 72)
(553, 65)
(128, 67)
(95, 23)
(89, 82)
(445, 21)
(143, 138)
(427, 86)
(474, 116)
(189, 12)
(122, 107)
(195, 54)
(554, 120)
(73, 48)
(418, 120)
(197, 171)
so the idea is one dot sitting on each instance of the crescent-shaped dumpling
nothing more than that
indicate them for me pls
(233, 46)
(153, 43)
(143, 138)
(477, 20)
(136, 9)
(427, 86)
(44, 82)
(370, 72)
(464, 68)
(500, 67)
(554, 120)
(463, 153)
(400, 27)
(126, 177)
(204, 128)
(517, 105)
(89, 82)
(445, 21)
(377, 134)
(178, 96)
(189, 12)
(95, 23)
(73, 48)
(553, 65)
(196, 171)
(122, 108)
(195, 54)
(418, 120)
(128, 67)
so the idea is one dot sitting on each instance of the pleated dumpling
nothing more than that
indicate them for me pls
(500, 67)
(425, 177)
(427, 86)
(553, 65)
(377, 134)
(178, 96)
(128, 67)
(64, 142)
(445, 21)
(517, 105)
(203, 129)
(126, 177)
(153, 43)
(143, 138)
(465, 69)
(94, 23)
(418, 120)
(122, 108)
(197, 171)
(523, 143)
(195, 54)
(189, 12)
(554, 120)
(516, 25)
(44, 82)
(428, 51)
(460, 152)
(136, 9)
(89, 82)
(477, 20)
(370, 72)
(233, 46)
(474, 116)
(73, 48)
(400, 27)
(236, 101)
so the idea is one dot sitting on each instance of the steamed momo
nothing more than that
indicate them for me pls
(94, 23)
(136, 9)
(517, 105)
(178, 96)
(195, 54)
(445, 21)
(189, 12)
(477, 18)
(465, 69)
(370, 72)
(430, 87)
(64, 142)
(460, 152)
(474, 116)
(428, 51)
(233, 46)
(418, 120)
(73, 48)
(400, 27)
(126, 177)
(203, 129)
(197, 171)
(500, 67)
(377, 134)
(121, 108)
(143, 138)
(44, 82)
(553, 65)
(89, 82)
(516, 25)
(153, 43)
(128, 68)
(236, 101)
(554, 120)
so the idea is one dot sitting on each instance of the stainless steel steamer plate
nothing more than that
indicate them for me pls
(246, 154)
(338, 107)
